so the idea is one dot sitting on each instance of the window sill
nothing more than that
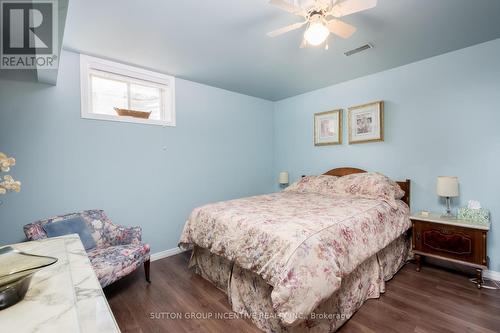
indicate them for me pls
(94, 116)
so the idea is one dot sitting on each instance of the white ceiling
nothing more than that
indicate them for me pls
(223, 43)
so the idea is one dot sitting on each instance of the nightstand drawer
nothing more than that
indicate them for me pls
(464, 244)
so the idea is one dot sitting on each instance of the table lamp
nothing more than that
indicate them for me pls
(447, 187)
(283, 178)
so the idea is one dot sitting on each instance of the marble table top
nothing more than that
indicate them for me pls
(64, 297)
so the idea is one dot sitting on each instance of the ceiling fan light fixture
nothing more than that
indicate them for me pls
(316, 33)
(322, 19)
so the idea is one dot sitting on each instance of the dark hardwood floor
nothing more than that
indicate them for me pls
(434, 300)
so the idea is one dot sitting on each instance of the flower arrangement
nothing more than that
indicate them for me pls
(8, 183)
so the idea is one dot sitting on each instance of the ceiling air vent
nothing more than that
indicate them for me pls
(359, 49)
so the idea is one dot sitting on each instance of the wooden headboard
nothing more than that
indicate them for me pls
(339, 172)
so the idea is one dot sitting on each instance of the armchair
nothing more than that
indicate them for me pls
(119, 250)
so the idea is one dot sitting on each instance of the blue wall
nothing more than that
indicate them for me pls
(442, 118)
(220, 149)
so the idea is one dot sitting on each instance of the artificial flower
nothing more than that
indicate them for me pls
(6, 162)
(9, 184)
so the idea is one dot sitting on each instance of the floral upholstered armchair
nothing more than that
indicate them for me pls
(118, 251)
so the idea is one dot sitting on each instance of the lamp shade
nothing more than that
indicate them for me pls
(447, 186)
(283, 179)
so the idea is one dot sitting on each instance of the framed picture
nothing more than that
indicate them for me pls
(328, 128)
(366, 123)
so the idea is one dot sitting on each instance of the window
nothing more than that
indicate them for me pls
(113, 91)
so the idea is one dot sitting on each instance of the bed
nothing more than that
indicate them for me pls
(307, 258)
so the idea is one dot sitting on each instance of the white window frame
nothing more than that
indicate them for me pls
(90, 65)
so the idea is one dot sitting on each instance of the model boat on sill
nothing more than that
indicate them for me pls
(16, 270)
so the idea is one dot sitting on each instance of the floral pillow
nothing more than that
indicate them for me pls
(313, 184)
(371, 185)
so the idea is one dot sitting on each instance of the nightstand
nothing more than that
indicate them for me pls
(453, 240)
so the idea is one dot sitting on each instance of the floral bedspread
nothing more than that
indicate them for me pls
(302, 244)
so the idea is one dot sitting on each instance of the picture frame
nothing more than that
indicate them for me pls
(366, 123)
(328, 128)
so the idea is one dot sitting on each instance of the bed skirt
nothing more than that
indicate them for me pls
(250, 296)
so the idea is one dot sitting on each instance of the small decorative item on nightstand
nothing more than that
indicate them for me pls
(283, 178)
(474, 213)
(458, 241)
(447, 187)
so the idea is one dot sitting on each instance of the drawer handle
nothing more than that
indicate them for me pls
(418, 236)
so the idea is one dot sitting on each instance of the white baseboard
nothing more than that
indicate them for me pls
(166, 253)
(492, 275)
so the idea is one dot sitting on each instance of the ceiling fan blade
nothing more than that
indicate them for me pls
(286, 6)
(286, 29)
(349, 7)
(340, 28)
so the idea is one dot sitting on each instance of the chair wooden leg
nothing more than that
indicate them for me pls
(146, 270)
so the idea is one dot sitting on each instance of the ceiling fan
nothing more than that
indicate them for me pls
(322, 19)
